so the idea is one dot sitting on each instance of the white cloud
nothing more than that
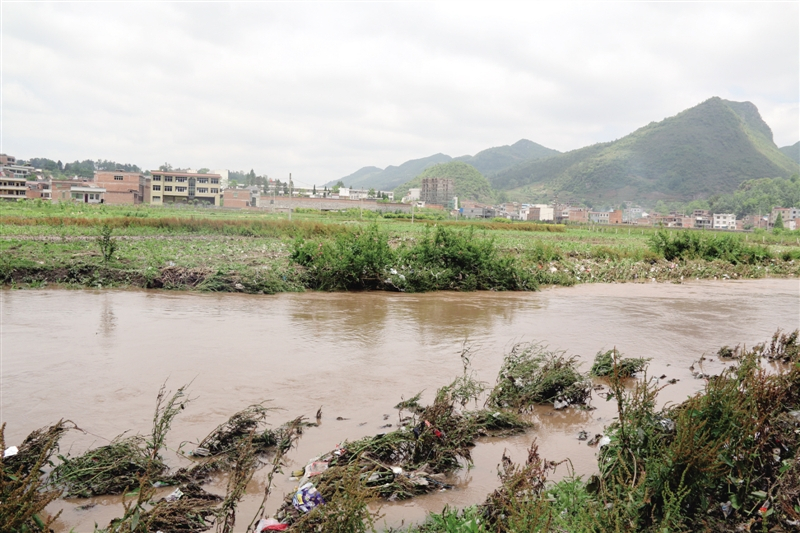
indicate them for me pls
(322, 89)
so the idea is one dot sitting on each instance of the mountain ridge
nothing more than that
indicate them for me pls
(486, 161)
(708, 149)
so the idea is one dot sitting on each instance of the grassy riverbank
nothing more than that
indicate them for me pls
(253, 252)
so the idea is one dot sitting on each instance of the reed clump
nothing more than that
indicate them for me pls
(531, 374)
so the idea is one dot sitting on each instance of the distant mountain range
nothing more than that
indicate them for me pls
(487, 162)
(793, 151)
(705, 150)
(708, 149)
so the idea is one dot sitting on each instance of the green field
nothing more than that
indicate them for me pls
(249, 251)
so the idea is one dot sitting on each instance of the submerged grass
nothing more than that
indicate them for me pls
(606, 363)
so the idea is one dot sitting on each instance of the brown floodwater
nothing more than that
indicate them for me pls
(99, 357)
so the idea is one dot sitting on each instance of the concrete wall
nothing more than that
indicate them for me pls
(325, 204)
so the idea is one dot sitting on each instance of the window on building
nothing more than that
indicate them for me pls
(180, 189)
(156, 178)
(202, 190)
(167, 188)
(156, 187)
(118, 178)
(214, 191)
(167, 178)
(156, 198)
(202, 180)
(215, 181)
(180, 179)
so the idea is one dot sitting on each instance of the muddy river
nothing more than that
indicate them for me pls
(99, 357)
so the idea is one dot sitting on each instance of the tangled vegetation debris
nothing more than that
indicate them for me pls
(115, 468)
(23, 491)
(531, 374)
(726, 459)
(784, 347)
(605, 363)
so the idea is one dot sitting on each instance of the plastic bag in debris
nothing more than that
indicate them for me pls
(175, 496)
(306, 498)
(270, 524)
(315, 468)
(11, 451)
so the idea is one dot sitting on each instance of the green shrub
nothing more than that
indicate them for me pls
(354, 260)
(687, 245)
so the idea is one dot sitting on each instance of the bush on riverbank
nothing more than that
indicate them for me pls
(686, 245)
(442, 259)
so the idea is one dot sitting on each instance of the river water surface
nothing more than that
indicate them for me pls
(99, 357)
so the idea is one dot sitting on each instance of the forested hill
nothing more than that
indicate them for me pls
(792, 152)
(487, 161)
(708, 149)
(468, 182)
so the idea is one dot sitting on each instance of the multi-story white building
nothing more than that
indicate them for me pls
(170, 187)
(11, 187)
(724, 221)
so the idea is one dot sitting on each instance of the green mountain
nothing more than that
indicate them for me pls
(493, 160)
(468, 182)
(488, 161)
(391, 176)
(792, 152)
(708, 149)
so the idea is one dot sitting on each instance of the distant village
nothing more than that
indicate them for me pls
(214, 190)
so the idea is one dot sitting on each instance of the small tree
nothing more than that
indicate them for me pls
(107, 244)
(778, 221)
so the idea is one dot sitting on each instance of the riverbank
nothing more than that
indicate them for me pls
(256, 253)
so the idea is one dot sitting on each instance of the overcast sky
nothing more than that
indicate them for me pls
(321, 89)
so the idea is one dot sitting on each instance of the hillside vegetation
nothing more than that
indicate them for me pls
(708, 149)
(792, 152)
(469, 183)
(487, 161)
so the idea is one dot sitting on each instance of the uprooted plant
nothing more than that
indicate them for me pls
(23, 492)
(134, 511)
(531, 374)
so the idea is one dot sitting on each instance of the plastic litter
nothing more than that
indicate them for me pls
(604, 441)
(559, 404)
(727, 508)
(307, 497)
(315, 468)
(175, 496)
(270, 524)
(11, 451)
